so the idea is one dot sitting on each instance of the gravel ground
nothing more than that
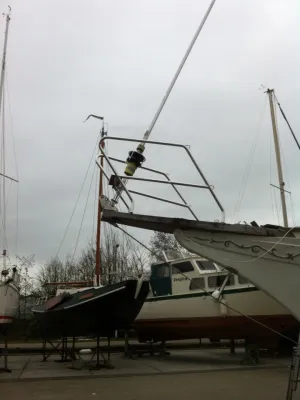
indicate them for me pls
(258, 385)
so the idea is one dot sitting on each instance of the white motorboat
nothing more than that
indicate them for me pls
(195, 298)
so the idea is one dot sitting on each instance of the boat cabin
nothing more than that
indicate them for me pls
(190, 274)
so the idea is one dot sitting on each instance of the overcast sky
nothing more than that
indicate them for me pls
(68, 59)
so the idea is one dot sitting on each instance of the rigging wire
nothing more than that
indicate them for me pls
(84, 211)
(211, 294)
(208, 293)
(77, 200)
(286, 172)
(272, 191)
(1, 161)
(4, 203)
(292, 209)
(249, 163)
(287, 178)
(2, 220)
(276, 206)
(15, 160)
(95, 205)
(286, 120)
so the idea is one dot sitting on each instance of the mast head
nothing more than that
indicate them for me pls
(7, 15)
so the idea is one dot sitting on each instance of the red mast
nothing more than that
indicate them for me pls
(98, 235)
(100, 193)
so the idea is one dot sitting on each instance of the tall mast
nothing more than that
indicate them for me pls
(4, 59)
(278, 157)
(3, 133)
(100, 193)
(136, 157)
(98, 236)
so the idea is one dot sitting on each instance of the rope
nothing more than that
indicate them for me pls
(286, 120)
(210, 294)
(77, 200)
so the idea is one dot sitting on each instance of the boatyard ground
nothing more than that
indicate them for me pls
(181, 375)
(246, 385)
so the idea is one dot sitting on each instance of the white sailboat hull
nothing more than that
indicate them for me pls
(267, 256)
(9, 302)
(270, 263)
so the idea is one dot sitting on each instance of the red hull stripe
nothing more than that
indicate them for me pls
(5, 317)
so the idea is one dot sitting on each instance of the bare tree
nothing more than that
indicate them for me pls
(161, 242)
(86, 264)
(52, 271)
(26, 283)
(121, 258)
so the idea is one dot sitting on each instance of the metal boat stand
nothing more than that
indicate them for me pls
(4, 353)
(252, 354)
(150, 348)
(294, 372)
(102, 360)
(61, 347)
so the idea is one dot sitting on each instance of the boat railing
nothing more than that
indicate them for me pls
(118, 182)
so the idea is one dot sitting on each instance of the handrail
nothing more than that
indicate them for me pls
(161, 144)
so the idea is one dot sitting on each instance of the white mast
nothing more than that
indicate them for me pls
(3, 133)
(278, 157)
(136, 158)
(181, 65)
(4, 59)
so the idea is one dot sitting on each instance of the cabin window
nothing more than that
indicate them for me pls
(206, 265)
(160, 271)
(217, 281)
(197, 283)
(182, 267)
(242, 280)
(163, 272)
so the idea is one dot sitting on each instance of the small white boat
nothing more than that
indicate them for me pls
(9, 297)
